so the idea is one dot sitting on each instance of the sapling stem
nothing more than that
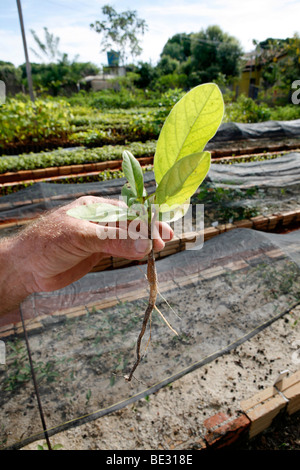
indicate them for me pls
(152, 280)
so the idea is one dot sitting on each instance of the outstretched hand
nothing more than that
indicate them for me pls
(59, 249)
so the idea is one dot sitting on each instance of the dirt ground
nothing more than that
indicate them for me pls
(173, 417)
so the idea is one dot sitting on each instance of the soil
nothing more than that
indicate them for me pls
(81, 359)
(284, 434)
(173, 417)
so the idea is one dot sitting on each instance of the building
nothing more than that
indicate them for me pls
(103, 81)
(251, 79)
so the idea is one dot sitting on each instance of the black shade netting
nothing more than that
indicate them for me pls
(237, 131)
(230, 192)
(83, 337)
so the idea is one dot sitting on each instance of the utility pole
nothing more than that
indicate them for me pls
(28, 68)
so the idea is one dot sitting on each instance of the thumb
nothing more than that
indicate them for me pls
(116, 241)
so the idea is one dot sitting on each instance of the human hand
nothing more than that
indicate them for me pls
(59, 249)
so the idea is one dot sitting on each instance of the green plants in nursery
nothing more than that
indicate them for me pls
(80, 156)
(245, 109)
(28, 122)
(180, 166)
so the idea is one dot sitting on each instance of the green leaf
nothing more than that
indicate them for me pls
(128, 194)
(133, 172)
(104, 212)
(181, 181)
(192, 122)
(171, 214)
(99, 212)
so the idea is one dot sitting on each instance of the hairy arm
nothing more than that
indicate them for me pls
(57, 249)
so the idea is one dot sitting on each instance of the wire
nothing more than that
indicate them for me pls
(35, 383)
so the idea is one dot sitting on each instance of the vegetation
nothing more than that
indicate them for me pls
(109, 118)
(134, 109)
(199, 57)
(32, 122)
(63, 157)
(280, 62)
(120, 30)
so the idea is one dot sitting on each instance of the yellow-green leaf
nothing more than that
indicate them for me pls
(102, 212)
(192, 122)
(181, 181)
(133, 172)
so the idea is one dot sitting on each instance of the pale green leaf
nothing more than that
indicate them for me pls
(128, 194)
(102, 212)
(173, 213)
(133, 172)
(182, 180)
(193, 121)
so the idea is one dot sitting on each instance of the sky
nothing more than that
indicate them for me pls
(70, 21)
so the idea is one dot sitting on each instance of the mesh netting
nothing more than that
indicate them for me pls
(83, 337)
(233, 131)
(237, 190)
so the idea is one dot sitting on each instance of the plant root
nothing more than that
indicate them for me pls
(152, 280)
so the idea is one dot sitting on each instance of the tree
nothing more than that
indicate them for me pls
(204, 56)
(214, 52)
(59, 78)
(120, 31)
(49, 49)
(178, 47)
(279, 60)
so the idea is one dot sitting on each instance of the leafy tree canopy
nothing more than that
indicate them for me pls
(203, 56)
(120, 31)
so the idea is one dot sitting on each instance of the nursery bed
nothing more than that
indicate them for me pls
(83, 337)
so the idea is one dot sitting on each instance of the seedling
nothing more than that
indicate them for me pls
(180, 166)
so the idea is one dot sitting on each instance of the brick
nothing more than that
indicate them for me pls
(210, 232)
(222, 228)
(6, 327)
(215, 421)
(272, 222)
(224, 430)
(175, 242)
(212, 272)
(297, 215)
(275, 253)
(167, 251)
(279, 217)
(40, 173)
(189, 237)
(64, 170)
(229, 227)
(34, 326)
(187, 280)
(260, 222)
(243, 223)
(288, 217)
(53, 171)
(7, 333)
(236, 265)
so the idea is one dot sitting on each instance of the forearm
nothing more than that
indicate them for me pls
(12, 275)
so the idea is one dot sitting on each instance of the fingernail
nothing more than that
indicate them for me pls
(142, 245)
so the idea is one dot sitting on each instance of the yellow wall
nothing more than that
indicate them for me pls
(242, 86)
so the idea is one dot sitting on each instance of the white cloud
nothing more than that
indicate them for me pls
(69, 20)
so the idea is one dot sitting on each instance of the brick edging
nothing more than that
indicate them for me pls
(255, 416)
(267, 223)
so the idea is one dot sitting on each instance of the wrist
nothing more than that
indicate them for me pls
(13, 277)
